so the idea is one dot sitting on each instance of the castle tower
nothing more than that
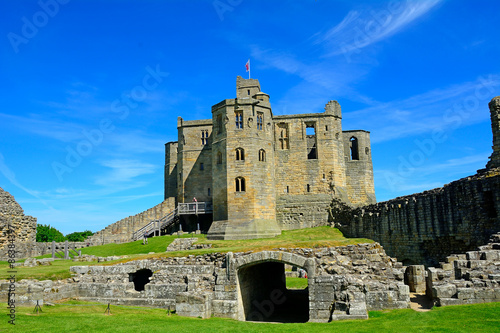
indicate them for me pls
(494, 105)
(244, 197)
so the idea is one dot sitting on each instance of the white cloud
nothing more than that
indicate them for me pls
(360, 29)
(124, 171)
(440, 109)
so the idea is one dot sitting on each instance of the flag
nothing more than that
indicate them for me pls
(247, 65)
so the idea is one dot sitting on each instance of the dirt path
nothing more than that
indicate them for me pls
(420, 302)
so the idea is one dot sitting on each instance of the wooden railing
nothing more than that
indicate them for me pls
(182, 209)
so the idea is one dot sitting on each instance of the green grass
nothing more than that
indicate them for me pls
(312, 238)
(84, 317)
(296, 283)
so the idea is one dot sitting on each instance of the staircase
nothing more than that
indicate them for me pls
(171, 218)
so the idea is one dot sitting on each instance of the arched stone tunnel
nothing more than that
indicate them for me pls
(262, 291)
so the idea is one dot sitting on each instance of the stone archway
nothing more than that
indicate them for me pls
(262, 292)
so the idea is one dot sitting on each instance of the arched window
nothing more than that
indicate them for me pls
(240, 154)
(240, 184)
(353, 144)
(219, 158)
(262, 155)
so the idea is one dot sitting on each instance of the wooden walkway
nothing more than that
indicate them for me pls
(191, 208)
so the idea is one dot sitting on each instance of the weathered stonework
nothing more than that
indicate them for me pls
(473, 277)
(17, 226)
(257, 168)
(121, 231)
(343, 283)
(426, 227)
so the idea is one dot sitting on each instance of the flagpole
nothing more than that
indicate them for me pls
(249, 69)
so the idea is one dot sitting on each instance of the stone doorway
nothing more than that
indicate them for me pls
(264, 295)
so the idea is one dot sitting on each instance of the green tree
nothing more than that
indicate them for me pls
(79, 236)
(46, 233)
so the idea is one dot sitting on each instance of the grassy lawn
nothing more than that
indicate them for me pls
(312, 237)
(296, 283)
(84, 317)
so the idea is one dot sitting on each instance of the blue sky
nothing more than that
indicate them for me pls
(91, 90)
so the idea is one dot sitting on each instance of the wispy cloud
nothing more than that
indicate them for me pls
(427, 176)
(360, 29)
(124, 171)
(439, 109)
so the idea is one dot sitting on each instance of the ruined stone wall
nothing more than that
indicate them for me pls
(304, 162)
(302, 211)
(344, 282)
(358, 168)
(16, 226)
(473, 277)
(171, 173)
(424, 228)
(121, 231)
(194, 160)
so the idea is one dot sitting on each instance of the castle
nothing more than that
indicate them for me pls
(265, 173)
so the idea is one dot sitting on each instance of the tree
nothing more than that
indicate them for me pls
(79, 236)
(46, 233)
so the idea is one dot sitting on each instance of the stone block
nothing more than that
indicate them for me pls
(80, 269)
(444, 291)
(225, 309)
(465, 293)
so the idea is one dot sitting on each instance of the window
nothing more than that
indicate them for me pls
(204, 137)
(219, 124)
(202, 166)
(239, 119)
(240, 184)
(240, 154)
(283, 135)
(353, 144)
(219, 158)
(308, 188)
(326, 128)
(262, 155)
(287, 189)
(209, 193)
(312, 153)
(260, 120)
(248, 92)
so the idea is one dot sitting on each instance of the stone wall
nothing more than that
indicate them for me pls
(424, 228)
(14, 225)
(344, 282)
(473, 277)
(121, 231)
(302, 211)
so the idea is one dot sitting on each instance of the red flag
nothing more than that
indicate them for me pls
(247, 65)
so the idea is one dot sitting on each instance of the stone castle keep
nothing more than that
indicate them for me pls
(266, 173)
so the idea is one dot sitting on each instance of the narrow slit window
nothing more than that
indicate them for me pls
(202, 166)
(209, 193)
(219, 158)
(262, 155)
(353, 144)
(308, 188)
